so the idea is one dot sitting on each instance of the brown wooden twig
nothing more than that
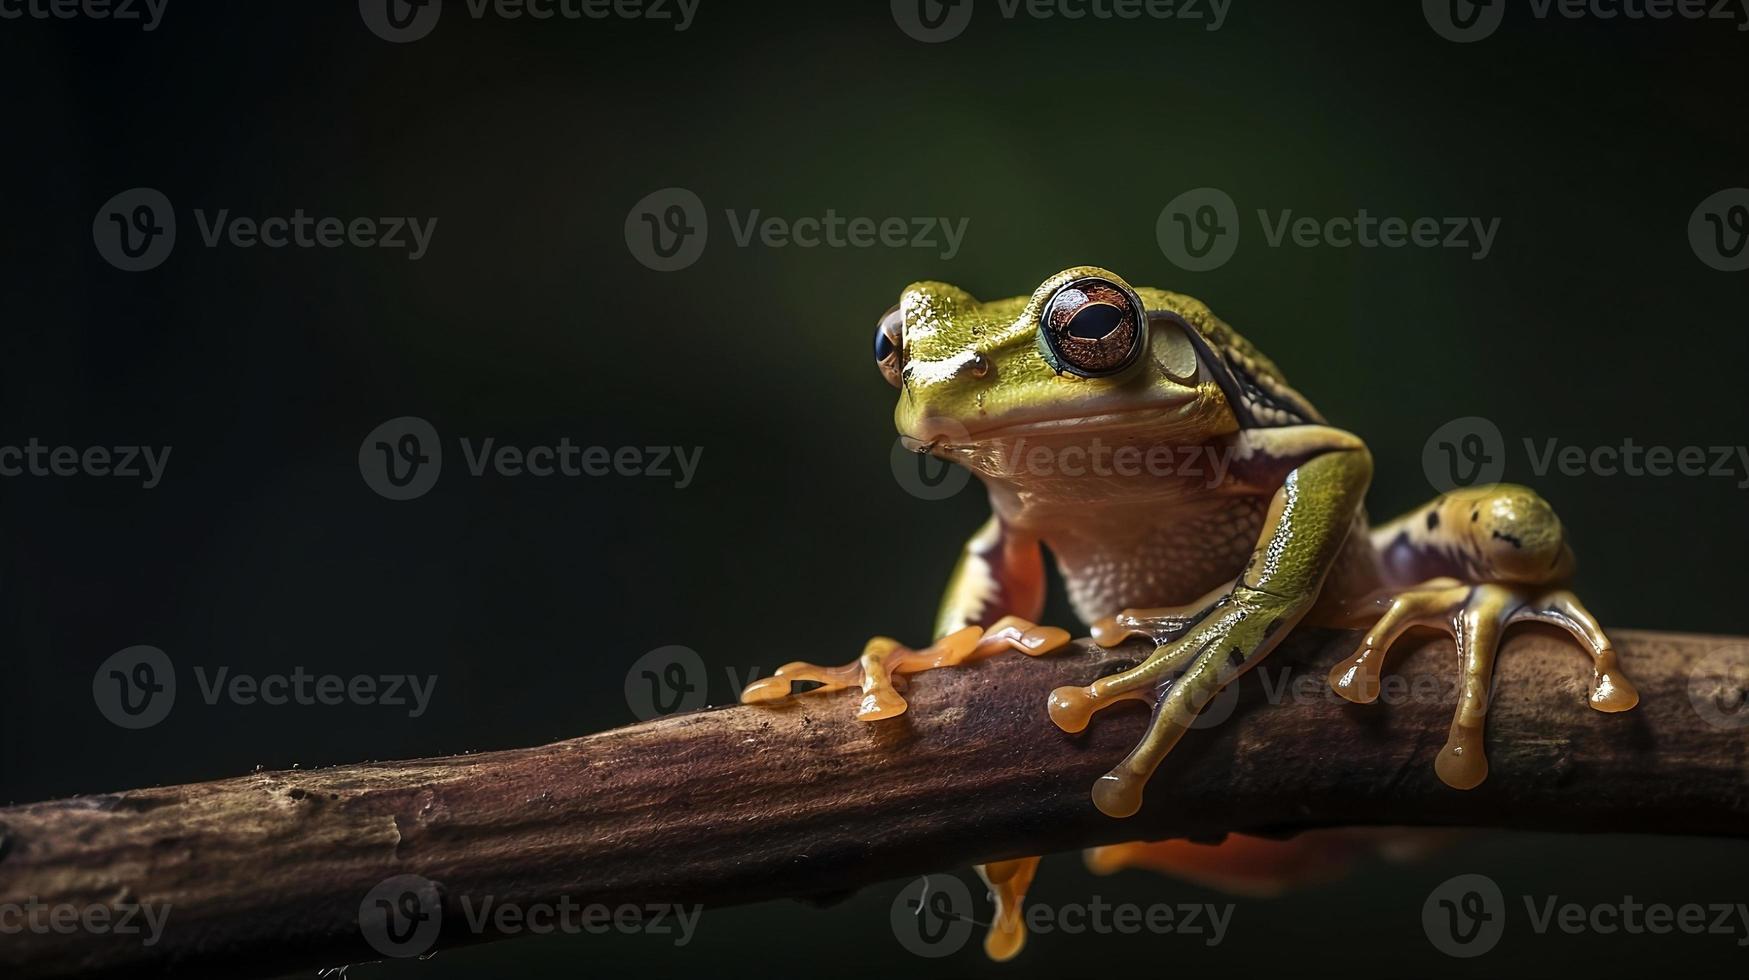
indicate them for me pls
(266, 873)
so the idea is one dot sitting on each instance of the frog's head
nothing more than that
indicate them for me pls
(1085, 353)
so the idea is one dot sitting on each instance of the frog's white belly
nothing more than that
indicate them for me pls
(1165, 558)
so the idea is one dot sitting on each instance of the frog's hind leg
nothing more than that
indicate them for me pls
(1242, 864)
(1480, 559)
(1008, 882)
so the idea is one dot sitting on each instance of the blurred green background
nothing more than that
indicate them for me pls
(1058, 141)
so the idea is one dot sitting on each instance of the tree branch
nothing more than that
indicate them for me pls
(265, 873)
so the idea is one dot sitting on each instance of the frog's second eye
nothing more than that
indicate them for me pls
(1092, 327)
(889, 346)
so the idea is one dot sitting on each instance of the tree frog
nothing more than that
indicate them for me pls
(1188, 495)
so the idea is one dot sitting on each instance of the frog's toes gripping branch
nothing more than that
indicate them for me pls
(1476, 616)
(1510, 549)
(1180, 678)
(885, 658)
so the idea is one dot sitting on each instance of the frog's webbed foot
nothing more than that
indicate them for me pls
(1180, 678)
(1160, 625)
(885, 658)
(1476, 616)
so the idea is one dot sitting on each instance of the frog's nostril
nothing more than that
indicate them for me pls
(889, 346)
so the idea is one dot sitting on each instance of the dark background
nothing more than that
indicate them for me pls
(529, 320)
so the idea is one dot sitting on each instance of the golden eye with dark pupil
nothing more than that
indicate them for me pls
(1091, 327)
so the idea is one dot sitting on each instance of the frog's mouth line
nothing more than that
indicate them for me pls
(1139, 418)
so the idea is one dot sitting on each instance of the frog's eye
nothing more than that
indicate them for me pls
(1092, 327)
(890, 345)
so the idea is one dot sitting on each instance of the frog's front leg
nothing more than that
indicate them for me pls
(997, 589)
(1308, 521)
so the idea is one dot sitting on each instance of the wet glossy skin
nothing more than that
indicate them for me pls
(1239, 514)
(1153, 534)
